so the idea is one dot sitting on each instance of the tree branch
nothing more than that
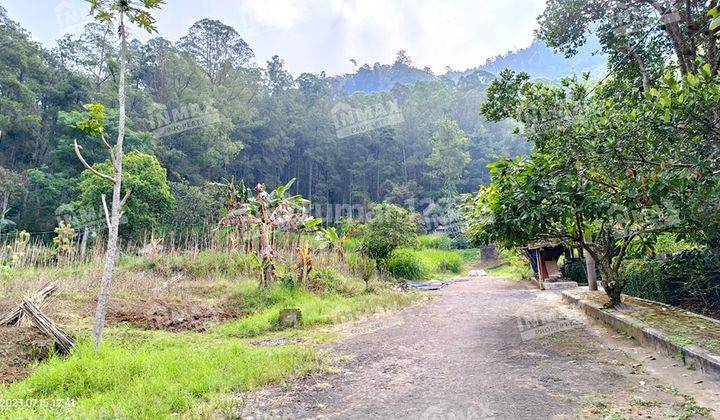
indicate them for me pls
(90, 168)
(107, 212)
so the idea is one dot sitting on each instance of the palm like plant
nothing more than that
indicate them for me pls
(268, 211)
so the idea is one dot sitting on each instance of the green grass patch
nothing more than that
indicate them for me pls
(156, 374)
(435, 241)
(207, 264)
(511, 270)
(154, 378)
(316, 309)
(419, 264)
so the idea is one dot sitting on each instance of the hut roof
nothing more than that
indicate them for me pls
(543, 244)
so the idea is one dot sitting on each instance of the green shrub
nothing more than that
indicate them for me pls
(688, 279)
(5, 274)
(405, 264)
(417, 264)
(460, 242)
(436, 241)
(451, 262)
(361, 266)
(441, 260)
(575, 271)
(643, 279)
(329, 281)
(692, 280)
(468, 254)
(390, 227)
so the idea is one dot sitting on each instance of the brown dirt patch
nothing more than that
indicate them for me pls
(19, 348)
(159, 314)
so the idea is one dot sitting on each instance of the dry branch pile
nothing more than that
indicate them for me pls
(31, 309)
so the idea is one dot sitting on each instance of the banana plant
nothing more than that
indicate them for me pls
(268, 212)
(329, 239)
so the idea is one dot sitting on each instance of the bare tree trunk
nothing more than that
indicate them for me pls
(5, 200)
(115, 212)
(83, 243)
(267, 253)
(591, 275)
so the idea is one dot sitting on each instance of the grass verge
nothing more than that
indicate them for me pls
(156, 374)
(157, 377)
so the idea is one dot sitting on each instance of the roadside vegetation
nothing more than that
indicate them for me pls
(156, 368)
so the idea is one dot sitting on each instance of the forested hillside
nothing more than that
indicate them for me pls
(540, 61)
(267, 126)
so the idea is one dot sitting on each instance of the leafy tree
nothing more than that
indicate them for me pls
(145, 184)
(195, 205)
(449, 155)
(389, 228)
(10, 182)
(217, 48)
(645, 31)
(614, 167)
(92, 53)
(279, 78)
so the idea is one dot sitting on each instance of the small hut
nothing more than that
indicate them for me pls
(544, 258)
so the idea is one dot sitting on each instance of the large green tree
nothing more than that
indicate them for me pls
(146, 185)
(612, 167)
(449, 155)
(636, 34)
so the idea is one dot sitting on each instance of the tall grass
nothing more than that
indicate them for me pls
(416, 264)
(435, 240)
(41, 253)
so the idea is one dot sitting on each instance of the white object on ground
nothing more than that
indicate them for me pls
(477, 273)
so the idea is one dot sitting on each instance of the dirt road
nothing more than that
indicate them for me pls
(492, 348)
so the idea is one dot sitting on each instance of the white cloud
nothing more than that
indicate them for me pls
(317, 35)
(281, 14)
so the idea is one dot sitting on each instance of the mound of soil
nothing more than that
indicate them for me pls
(158, 314)
(19, 348)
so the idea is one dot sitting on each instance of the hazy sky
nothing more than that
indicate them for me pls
(317, 35)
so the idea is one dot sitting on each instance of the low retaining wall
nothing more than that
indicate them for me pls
(692, 356)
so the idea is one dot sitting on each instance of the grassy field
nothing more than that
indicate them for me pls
(153, 373)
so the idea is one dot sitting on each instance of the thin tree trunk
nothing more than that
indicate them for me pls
(6, 199)
(591, 275)
(83, 243)
(713, 53)
(115, 211)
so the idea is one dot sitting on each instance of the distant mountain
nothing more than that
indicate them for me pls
(538, 60)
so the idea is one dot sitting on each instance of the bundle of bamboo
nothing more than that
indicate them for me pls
(31, 309)
(41, 300)
(63, 341)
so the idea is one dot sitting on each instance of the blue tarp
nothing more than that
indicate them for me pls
(430, 285)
